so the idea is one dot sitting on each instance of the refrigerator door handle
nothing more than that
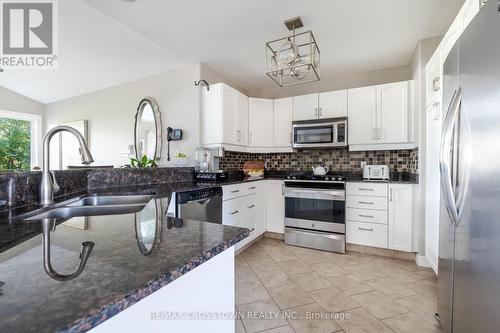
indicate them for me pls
(447, 145)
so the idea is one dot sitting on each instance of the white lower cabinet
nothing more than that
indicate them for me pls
(400, 217)
(244, 205)
(276, 206)
(369, 234)
(382, 217)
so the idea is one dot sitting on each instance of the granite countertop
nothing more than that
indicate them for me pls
(238, 178)
(134, 255)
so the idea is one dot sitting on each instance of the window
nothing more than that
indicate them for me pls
(20, 140)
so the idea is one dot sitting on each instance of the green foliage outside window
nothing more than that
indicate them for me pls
(15, 137)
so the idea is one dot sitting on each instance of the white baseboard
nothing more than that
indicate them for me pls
(424, 261)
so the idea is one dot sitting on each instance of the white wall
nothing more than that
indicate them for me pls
(332, 81)
(421, 56)
(111, 111)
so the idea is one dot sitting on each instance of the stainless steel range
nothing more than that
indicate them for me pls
(315, 211)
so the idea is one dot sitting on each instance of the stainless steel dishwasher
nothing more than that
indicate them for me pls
(200, 204)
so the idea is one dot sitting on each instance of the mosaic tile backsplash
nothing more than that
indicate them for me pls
(334, 159)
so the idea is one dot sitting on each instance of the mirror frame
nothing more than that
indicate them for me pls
(158, 231)
(157, 116)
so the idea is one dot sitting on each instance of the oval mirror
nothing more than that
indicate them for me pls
(148, 227)
(147, 134)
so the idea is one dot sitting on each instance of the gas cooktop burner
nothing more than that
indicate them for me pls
(311, 177)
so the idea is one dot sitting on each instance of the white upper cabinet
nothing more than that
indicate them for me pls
(229, 115)
(283, 117)
(242, 120)
(224, 118)
(260, 115)
(305, 107)
(362, 115)
(333, 104)
(392, 113)
(323, 105)
(400, 217)
(379, 117)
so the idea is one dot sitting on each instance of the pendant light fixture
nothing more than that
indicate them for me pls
(294, 59)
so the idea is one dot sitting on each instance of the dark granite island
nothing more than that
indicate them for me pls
(141, 269)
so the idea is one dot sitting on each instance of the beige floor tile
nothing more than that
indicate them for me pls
(333, 300)
(309, 256)
(361, 321)
(311, 281)
(343, 260)
(295, 266)
(328, 269)
(238, 326)
(350, 284)
(425, 287)
(379, 305)
(410, 323)
(244, 274)
(262, 264)
(391, 288)
(280, 254)
(254, 251)
(308, 320)
(422, 306)
(289, 295)
(282, 329)
(365, 271)
(401, 275)
(273, 277)
(260, 316)
(427, 273)
(250, 291)
(239, 261)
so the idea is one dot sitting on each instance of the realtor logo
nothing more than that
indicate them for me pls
(28, 33)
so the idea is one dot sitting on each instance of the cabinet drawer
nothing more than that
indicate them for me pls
(369, 234)
(366, 202)
(366, 215)
(366, 188)
(240, 212)
(252, 187)
(233, 191)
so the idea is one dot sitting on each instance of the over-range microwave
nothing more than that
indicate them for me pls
(320, 133)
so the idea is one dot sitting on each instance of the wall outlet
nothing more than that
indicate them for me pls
(363, 164)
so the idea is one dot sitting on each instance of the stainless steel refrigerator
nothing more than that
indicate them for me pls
(469, 242)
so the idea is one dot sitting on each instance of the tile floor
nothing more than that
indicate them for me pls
(287, 289)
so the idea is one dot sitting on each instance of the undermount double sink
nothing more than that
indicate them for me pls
(95, 205)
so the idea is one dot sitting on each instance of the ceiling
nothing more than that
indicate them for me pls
(95, 52)
(142, 37)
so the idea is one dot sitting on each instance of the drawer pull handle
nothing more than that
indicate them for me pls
(251, 206)
(235, 191)
(252, 188)
(234, 212)
(365, 189)
(361, 215)
(365, 229)
(366, 202)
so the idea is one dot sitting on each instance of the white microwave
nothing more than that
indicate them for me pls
(320, 133)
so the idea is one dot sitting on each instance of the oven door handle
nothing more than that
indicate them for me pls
(338, 195)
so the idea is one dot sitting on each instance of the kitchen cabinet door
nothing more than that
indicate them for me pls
(392, 111)
(259, 190)
(400, 217)
(229, 115)
(333, 104)
(283, 117)
(305, 107)
(362, 114)
(260, 124)
(275, 206)
(242, 120)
